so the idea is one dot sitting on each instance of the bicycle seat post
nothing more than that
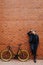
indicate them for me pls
(8, 47)
(20, 46)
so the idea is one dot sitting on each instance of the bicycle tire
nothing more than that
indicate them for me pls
(10, 55)
(23, 59)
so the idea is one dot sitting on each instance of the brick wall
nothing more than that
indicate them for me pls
(17, 17)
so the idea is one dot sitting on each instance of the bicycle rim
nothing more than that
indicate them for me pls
(5, 57)
(25, 53)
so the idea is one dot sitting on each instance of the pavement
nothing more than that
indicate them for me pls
(17, 62)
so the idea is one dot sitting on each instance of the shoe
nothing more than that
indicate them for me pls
(34, 61)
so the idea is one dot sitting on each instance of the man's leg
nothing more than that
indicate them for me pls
(34, 57)
(35, 51)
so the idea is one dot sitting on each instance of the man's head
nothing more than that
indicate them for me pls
(31, 32)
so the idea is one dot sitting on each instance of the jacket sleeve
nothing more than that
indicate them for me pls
(37, 39)
(31, 39)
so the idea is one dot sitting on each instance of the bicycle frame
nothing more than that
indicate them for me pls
(10, 48)
(12, 55)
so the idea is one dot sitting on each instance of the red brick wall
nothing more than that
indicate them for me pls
(17, 17)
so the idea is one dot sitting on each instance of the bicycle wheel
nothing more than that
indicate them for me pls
(6, 55)
(23, 55)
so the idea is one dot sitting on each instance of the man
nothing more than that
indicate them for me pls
(34, 41)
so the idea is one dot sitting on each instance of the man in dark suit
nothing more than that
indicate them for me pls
(34, 41)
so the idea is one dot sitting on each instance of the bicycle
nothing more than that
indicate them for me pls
(7, 54)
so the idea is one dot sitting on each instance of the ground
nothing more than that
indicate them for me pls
(17, 62)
